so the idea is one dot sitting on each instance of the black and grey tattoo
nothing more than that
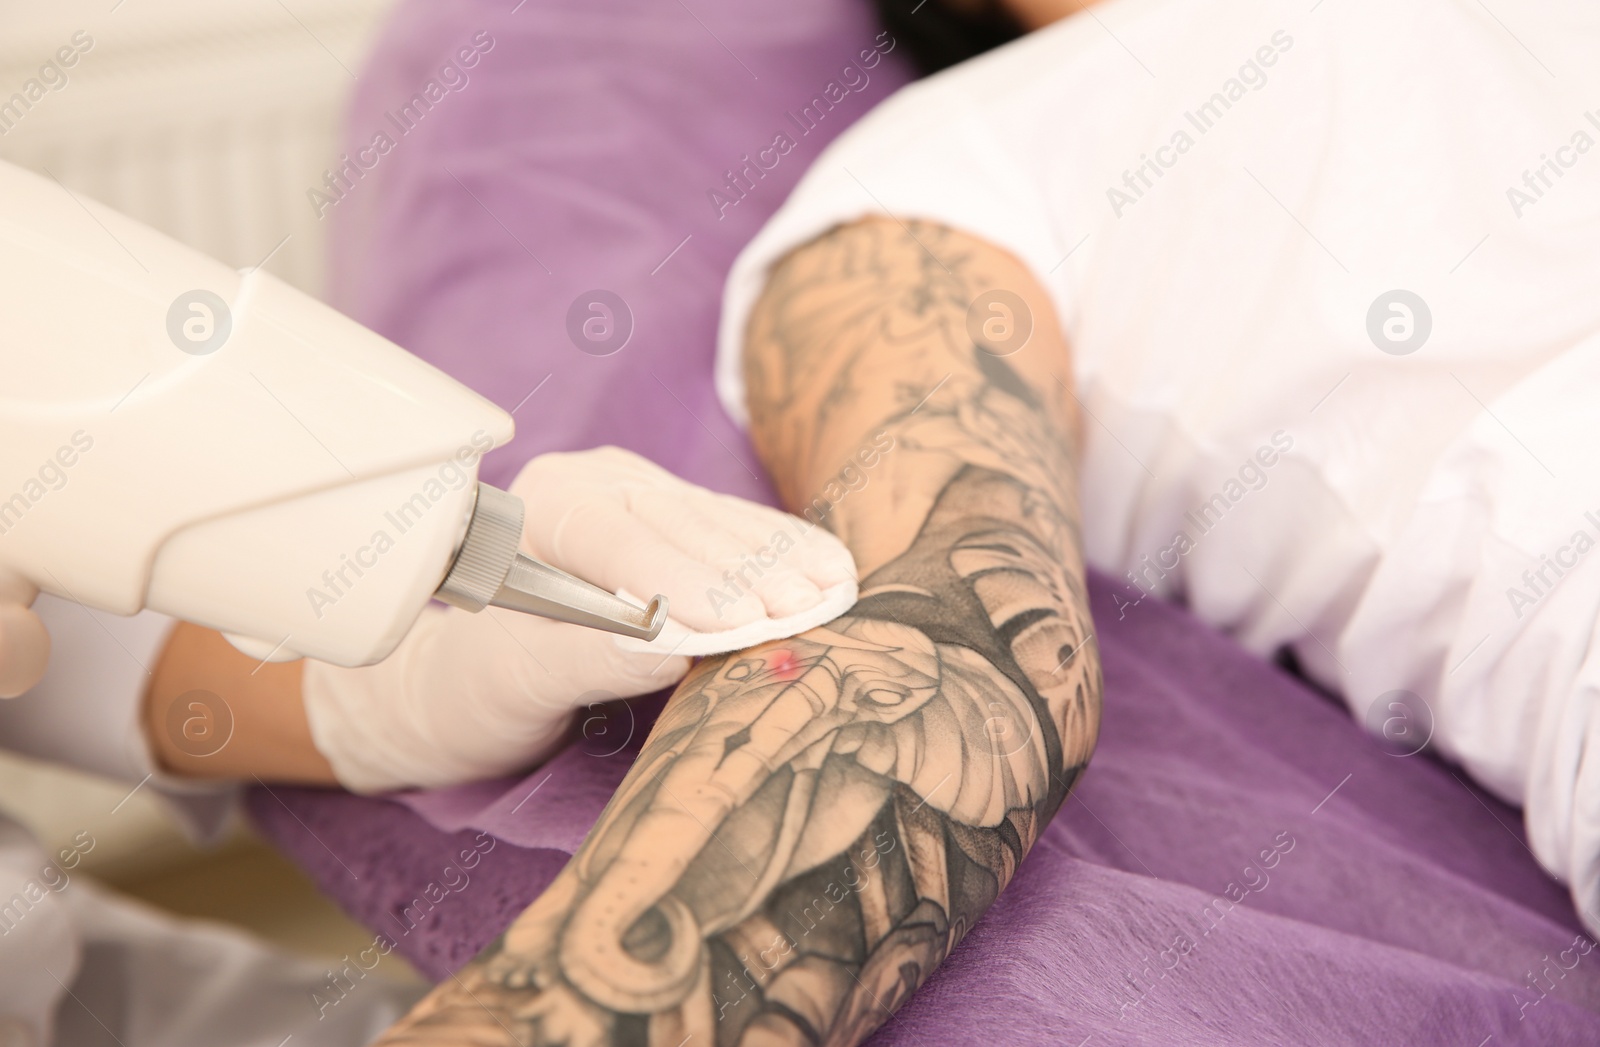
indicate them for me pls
(815, 823)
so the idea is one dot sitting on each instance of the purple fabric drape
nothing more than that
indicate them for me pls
(1241, 864)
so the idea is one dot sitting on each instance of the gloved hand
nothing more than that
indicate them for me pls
(622, 522)
(469, 696)
(24, 643)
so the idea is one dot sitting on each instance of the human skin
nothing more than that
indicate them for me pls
(814, 823)
(1029, 14)
(1035, 14)
(269, 734)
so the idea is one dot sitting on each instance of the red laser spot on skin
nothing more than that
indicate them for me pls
(785, 665)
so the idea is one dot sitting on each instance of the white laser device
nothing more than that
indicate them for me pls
(220, 447)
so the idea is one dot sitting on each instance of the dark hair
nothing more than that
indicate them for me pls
(938, 36)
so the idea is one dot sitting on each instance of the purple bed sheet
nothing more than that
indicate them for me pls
(1240, 865)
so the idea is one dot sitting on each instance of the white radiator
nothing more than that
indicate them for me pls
(208, 119)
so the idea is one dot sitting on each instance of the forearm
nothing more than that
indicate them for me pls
(211, 712)
(813, 824)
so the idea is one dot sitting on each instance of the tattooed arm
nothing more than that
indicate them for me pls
(815, 823)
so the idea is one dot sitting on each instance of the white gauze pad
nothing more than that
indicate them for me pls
(677, 638)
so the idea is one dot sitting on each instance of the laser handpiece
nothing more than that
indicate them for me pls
(220, 447)
(489, 572)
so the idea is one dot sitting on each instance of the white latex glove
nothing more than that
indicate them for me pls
(24, 643)
(468, 696)
(622, 522)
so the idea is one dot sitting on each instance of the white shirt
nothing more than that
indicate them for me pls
(1219, 196)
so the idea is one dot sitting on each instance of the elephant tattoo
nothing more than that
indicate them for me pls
(817, 822)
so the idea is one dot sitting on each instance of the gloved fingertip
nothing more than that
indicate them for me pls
(675, 668)
(719, 609)
(832, 570)
(656, 671)
(793, 594)
(828, 560)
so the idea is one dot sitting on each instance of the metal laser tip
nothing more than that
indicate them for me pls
(537, 588)
(480, 577)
